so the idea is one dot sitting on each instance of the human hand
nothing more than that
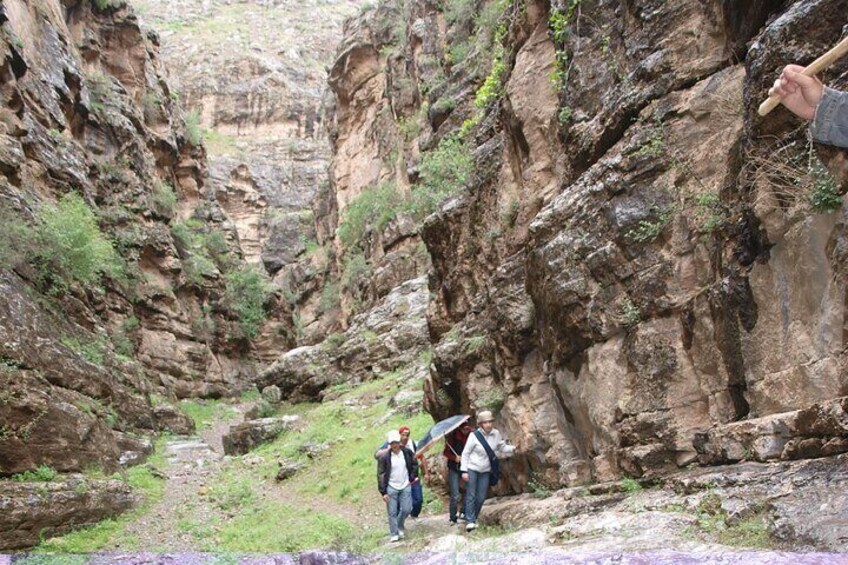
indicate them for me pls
(386, 498)
(465, 477)
(799, 93)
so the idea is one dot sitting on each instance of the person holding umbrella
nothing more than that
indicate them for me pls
(396, 469)
(454, 444)
(481, 450)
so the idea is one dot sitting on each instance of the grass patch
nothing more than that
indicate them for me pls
(207, 412)
(274, 527)
(43, 474)
(113, 532)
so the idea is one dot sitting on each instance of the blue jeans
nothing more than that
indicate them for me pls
(417, 498)
(398, 507)
(453, 484)
(475, 494)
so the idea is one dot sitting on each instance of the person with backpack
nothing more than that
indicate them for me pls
(480, 465)
(396, 469)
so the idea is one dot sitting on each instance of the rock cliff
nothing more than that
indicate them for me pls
(626, 257)
(114, 279)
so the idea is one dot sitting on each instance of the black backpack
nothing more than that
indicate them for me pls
(495, 473)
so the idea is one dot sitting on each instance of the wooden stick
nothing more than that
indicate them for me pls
(813, 68)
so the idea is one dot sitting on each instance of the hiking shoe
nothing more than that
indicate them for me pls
(462, 516)
(471, 526)
(394, 538)
(401, 534)
(453, 522)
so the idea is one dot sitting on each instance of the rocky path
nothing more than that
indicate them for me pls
(184, 509)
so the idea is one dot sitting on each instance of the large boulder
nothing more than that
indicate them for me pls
(247, 435)
(32, 511)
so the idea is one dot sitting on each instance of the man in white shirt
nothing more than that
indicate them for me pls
(396, 469)
(476, 467)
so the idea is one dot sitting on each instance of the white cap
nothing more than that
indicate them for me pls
(393, 436)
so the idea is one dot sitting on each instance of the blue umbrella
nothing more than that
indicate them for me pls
(440, 430)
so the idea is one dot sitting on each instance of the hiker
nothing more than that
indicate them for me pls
(808, 98)
(417, 490)
(396, 469)
(477, 464)
(454, 444)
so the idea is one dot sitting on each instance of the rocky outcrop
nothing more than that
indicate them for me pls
(32, 511)
(792, 504)
(391, 337)
(818, 431)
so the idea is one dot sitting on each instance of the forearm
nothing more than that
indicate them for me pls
(830, 123)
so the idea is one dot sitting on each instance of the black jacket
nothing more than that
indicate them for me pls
(384, 468)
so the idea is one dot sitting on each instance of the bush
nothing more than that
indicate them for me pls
(825, 195)
(164, 198)
(19, 240)
(193, 131)
(356, 269)
(445, 172)
(374, 208)
(71, 246)
(202, 250)
(246, 291)
(43, 474)
(330, 298)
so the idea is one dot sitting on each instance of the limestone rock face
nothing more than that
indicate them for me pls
(31, 511)
(86, 110)
(254, 76)
(634, 260)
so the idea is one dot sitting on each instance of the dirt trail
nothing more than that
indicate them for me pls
(192, 462)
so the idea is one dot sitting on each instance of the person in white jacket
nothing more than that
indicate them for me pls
(476, 467)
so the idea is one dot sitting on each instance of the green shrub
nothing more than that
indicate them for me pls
(647, 230)
(458, 52)
(459, 11)
(630, 313)
(246, 291)
(330, 298)
(201, 248)
(43, 474)
(20, 241)
(99, 87)
(193, 131)
(356, 269)
(492, 88)
(92, 351)
(374, 208)
(445, 172)
(630, 485)
(492, 399)
(71, 247)
(825, 195)
(710, 213)
(164, 197)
